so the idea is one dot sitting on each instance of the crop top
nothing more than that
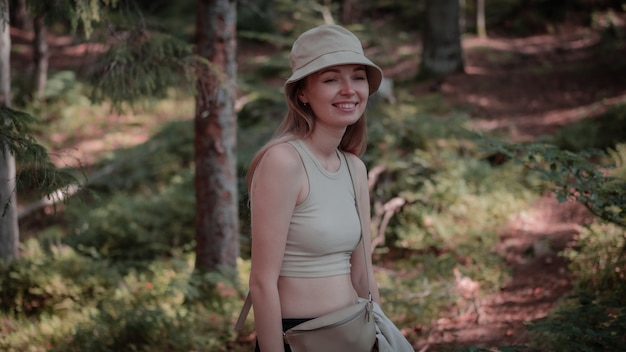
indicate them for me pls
(325, 227)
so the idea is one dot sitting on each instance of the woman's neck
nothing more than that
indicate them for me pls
(322, 145)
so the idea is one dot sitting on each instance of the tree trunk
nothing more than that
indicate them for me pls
(217, 227)
(351, 11)
(41, 56)
(442, 53)
(481, 28)
(21, 17)
(9, 230)
(462, 18)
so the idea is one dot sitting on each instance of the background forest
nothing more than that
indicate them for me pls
(498, 190)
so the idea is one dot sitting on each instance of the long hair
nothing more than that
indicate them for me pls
(299, 122)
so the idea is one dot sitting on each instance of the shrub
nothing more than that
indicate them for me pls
(144, 227)
(586, 324)
(147, 166)
(601, 132)
(136, 328)
(51, 282)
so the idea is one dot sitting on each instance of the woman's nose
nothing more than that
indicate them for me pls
(346, 87)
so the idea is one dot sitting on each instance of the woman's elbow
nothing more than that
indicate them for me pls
(261, 286)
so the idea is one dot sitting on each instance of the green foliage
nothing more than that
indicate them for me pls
(589, 324)
(55, 299)
(599, 258)
(34, 166)
(52, 281)
(602, 132)
(573, 175)
(79, 13)
(63, 101)
(456, 204)
(149, 165)
(143, 227)
(139, 327)
(65, 86)
(414, 291)
(145, 201)
(142, 65)
(256, 16)
(62, 86)
(594, 318)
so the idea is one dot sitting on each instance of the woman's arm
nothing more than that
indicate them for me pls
(274, 194)
(359, 272)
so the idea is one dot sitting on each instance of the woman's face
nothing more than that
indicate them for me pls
(337, 94)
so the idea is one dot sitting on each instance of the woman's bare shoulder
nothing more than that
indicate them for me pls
(355, 161)
(281, 157)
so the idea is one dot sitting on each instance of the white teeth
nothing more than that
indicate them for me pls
(346, 106)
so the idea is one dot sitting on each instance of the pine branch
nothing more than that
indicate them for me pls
(31, 156)
(143, 65)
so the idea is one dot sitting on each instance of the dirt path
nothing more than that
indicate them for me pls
(528, 87)
(530, 243)
(525, 88)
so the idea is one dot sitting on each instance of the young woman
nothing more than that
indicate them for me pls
(307, 256)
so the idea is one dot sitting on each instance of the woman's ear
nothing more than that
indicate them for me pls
(302, 98)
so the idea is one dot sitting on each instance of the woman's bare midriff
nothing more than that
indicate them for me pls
(313, 297)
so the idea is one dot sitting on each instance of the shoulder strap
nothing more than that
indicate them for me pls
(245, 310)
(357, 204)
(243, 315)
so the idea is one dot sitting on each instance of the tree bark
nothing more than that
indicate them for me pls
(41, 55)
(217, 226)
(9, 230)
(21, 18)
(442, 53)
(462, 19)
(480, 19)
(351, 11)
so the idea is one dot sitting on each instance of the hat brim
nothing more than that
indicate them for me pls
(374, 73)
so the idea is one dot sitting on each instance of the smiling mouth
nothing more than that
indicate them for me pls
(346, 106)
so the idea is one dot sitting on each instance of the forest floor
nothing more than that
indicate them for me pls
(526, 88)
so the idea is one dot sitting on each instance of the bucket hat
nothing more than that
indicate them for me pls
(329, 45)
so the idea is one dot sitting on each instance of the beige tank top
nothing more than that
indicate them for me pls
(325, 227)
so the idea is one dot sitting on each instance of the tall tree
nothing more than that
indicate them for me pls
(481, 28)
(217, 225)
(40, 55)
(20, 18)
(14, 136)
(462, 19)
(442, 53)
(351, 11)
(9, 230)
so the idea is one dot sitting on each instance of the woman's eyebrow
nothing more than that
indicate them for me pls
(336, 70)
(332, 70)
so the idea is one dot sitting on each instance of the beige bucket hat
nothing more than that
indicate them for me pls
(329, 45)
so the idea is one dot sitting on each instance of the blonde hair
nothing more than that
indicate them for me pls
(299, 122)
